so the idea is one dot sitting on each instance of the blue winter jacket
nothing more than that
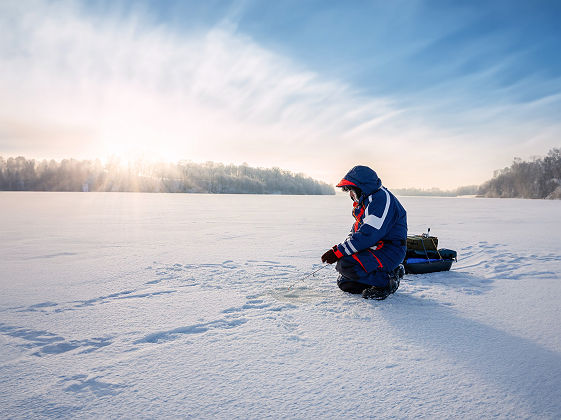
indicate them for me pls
(377, 239)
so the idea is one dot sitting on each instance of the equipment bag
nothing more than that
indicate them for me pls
(422, 242)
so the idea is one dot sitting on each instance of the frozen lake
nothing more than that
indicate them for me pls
(177, 305)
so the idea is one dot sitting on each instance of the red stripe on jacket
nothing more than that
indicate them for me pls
(358, 218)
(377, 259)
(356, 258)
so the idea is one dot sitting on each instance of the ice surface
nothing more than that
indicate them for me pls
(157, 305)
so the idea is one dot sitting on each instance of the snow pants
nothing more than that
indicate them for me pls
(354, 279)
(349, 286)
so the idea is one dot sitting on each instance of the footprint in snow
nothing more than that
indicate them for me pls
(47, 343)
(173, 334)
(38, 307)
(82, 383)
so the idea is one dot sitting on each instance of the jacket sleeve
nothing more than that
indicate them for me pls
(376, 223)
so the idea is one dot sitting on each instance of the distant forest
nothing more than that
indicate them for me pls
(21, 174)
(437, 192)
(539, 178)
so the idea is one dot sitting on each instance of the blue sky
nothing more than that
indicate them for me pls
(388, 47)
(310, 86)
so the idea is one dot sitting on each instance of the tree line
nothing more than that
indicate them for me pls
(21, 174)
(437, 192)
(538, 178)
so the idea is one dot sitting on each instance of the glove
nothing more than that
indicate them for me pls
(329, 257)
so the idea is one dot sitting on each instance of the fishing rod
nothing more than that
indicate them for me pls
(308, 275)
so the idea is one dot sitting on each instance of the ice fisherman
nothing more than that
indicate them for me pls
(369, 260)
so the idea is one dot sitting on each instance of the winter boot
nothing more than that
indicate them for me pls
(395, 277)
(377, 293)
(380, 293)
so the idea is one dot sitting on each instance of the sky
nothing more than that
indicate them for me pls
(427, 93)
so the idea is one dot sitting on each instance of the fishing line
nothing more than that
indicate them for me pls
(308, 275)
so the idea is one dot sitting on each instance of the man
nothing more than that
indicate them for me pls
(368, 261)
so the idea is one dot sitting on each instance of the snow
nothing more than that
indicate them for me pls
(178, 305)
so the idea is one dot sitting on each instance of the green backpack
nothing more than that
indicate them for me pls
(422, 242)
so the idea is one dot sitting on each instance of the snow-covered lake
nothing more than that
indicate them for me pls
(157, 305)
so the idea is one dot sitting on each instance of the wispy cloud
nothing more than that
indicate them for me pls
(84, 85)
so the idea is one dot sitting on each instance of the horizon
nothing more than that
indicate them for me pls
(124, 163)
(428, 94)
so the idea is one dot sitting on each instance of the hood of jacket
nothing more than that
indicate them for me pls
(364, 178)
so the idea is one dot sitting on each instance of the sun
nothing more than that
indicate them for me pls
(129, 148)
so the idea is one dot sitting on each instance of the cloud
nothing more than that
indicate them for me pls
(131, 86)
(85, 85)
